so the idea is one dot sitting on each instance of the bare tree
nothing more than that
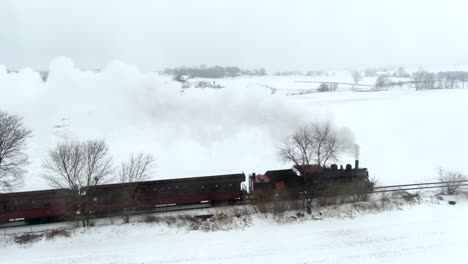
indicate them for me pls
(77, 166)
(424, 80)
(297, 148)
(464, 78)
(97, 168)
(446, 80)
(13, 136)
(136, 169)
(452, 180)
(357, 77)
(318, 142)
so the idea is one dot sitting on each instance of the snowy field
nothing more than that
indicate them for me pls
(427, 233)
(404, 135)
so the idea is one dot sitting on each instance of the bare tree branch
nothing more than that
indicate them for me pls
(97, 163)
(77, 166)
(13, 158)
(64, 165)
(318, 142)
(136, 169)
(357, 77)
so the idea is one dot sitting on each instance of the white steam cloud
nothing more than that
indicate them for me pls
(191, 132)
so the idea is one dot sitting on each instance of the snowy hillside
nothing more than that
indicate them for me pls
(404, 134)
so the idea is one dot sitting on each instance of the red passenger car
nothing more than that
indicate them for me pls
(109, 198)
(36, 206)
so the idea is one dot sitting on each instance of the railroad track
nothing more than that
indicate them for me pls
(418, 186)
(250, 200)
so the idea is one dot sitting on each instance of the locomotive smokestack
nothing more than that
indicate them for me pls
(356, 164)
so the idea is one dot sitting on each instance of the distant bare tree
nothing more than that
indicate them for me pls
(318, 142)
(424, 80)
(381, 82)
(417, 80)
(446, 80)
(464, 78)
(77, 166)
(136, 169)
(357, 77)
(13, 136)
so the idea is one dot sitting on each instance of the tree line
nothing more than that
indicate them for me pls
(420, 80)
(441, 80)
(213, 72)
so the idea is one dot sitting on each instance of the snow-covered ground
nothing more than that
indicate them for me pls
(431, 232)
(404, 135)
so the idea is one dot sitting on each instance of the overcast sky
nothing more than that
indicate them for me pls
(277, 35)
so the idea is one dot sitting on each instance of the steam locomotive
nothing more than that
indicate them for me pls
(301, 178)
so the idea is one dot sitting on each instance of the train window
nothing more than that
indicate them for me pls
(19, 204)
(47, 204)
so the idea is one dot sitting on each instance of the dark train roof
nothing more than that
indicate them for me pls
(41, 193)
(277, 175)
(308, 168)
(238, 176)
(274, 173)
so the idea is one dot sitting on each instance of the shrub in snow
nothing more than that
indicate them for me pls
(451, 180)
(411, 197)
(57, 233)
(384, 199)
(323, 88)
(28, 238)
(218, 221)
